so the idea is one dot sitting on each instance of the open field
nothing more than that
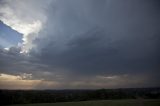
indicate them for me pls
(139, 102)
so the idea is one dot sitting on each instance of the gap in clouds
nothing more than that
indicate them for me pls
(9, 37)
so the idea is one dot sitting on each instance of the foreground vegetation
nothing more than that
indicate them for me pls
(138, 102)
(9, 97)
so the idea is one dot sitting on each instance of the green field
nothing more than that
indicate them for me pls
(138, 102)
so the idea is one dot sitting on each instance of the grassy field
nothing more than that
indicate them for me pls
(139, 102)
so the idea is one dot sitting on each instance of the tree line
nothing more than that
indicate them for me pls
(51, 96)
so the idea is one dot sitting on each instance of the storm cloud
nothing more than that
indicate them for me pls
(89, 44)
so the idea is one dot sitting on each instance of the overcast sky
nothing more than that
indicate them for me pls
(79, 44)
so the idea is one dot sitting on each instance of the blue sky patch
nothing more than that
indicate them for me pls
(8, 36)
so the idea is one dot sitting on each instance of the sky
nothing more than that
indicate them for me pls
(9, 37)
(79, 44)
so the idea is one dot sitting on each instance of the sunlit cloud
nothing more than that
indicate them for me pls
(28, 26)
(112, 81)
(6, 48)
(24, 81)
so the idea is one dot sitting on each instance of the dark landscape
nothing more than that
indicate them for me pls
(9, 97)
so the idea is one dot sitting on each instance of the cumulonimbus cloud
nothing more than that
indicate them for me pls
(26, 17)
(84, 43)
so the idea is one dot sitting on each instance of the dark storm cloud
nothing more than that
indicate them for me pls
(85, 39)
(12, 62)
(103, 37)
